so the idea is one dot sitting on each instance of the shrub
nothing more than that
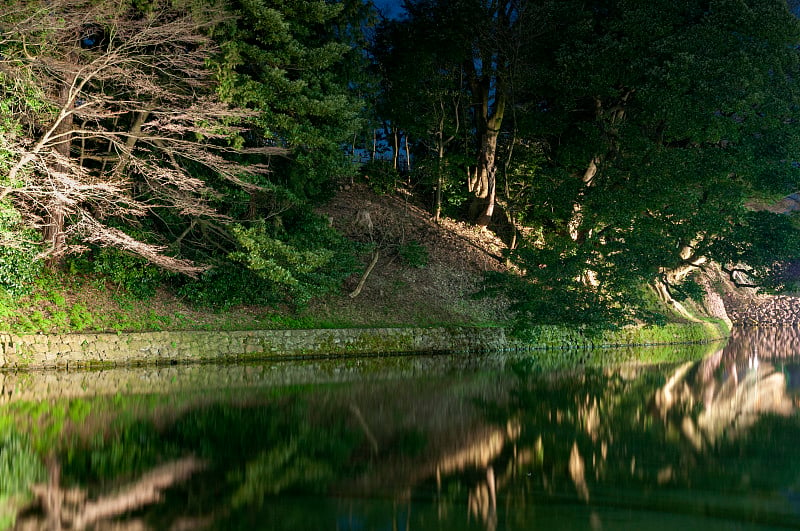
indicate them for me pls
(19, 268)
(135, 275)
(19, 265)
(289, 262)
(381, 176)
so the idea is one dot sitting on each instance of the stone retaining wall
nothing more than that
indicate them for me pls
(73, 350)
(159, 348)
(777, 310)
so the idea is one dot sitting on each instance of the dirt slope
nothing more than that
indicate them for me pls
(396, 291)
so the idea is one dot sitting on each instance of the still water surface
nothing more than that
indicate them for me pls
(705, 438)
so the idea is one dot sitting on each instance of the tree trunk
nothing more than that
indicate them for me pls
(408, 153)
(492, 104)
(486, 177)
(55, 210)
(666, 297)
(395, 147)
(574, 225)
(134, 133)
(439, 169)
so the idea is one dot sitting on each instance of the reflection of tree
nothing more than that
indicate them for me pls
(624, 433)
(19, 468)
(429, 433)
(72, 509)
(282, 467)
(730, 405)
(474, 447)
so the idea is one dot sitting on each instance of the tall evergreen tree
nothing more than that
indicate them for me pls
(300, 65)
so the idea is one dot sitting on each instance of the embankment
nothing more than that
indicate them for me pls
(81, 350)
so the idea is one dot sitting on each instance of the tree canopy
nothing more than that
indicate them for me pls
(635, 135)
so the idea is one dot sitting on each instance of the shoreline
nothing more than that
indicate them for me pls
(87, 350)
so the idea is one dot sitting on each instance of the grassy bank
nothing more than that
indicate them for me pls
(559, 337)
(62, 304)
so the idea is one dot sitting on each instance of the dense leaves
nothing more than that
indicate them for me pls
(647, 167)
(297, 63)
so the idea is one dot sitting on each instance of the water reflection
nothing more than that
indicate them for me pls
(440, 442)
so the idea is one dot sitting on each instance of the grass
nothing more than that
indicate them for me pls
(62, 303)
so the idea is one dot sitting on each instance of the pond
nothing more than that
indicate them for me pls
(662, 438)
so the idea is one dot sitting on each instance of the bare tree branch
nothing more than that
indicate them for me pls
(92, 82)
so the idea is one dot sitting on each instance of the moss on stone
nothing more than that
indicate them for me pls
(149, 349)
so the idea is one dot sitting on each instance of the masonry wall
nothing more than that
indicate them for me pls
(80, 350)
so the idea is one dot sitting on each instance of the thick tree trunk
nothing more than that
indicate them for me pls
(485, 189)
(611, 118)
(666, 297)
(489, 96)
(574, 225)
(55, 210)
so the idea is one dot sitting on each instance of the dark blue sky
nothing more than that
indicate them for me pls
(390, 8)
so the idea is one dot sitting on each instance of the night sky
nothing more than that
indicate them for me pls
(389, 8)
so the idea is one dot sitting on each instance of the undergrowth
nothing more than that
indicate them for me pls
(65, 302)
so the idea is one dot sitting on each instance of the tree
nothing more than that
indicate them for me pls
(421, 93)
(108, 106)
(300, 66)
(480, 40)
(647, 168)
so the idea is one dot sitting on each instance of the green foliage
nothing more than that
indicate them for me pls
(19, 264)
(556, 288)
(18, 269)
(381, 176)
(80, 317)
(758, 245)
(273, 259)
(136, 276)
(298, 64)
(647, 167)
(288, 262)
(689, 289)
(425, 176)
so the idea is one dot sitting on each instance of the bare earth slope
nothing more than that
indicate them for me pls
(397, 292)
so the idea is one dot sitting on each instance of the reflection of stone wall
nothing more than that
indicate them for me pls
(165, 347)
(73, 350)
(764, 342)
(37, 385)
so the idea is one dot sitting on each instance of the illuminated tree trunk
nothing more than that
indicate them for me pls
(486, 178)
(491, 108)
(55, 209)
